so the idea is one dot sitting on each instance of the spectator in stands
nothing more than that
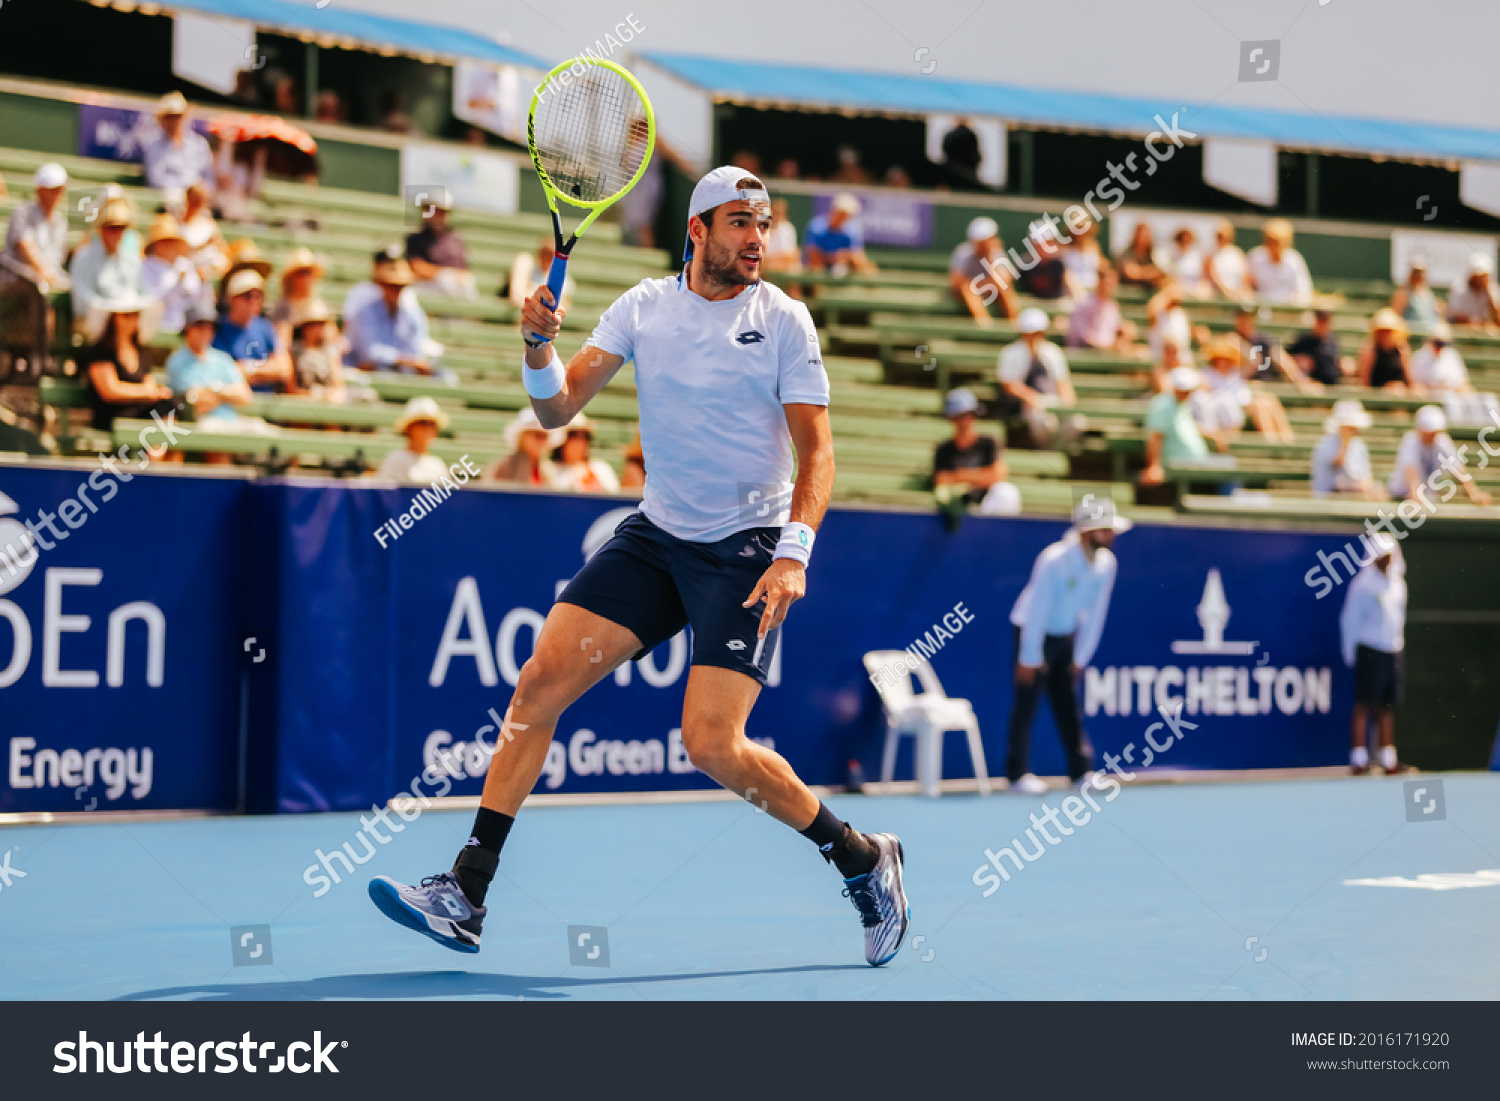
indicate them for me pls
(1225, 268)
(366, 291)
(106, 267)
(1340, 460)
(1084, 261)
(390, 333)
(1383, 361)
(633, 473)
(1436, 366)
(572, 467)
(782, 253)
(32, 265)
(1096, 322)
(1264, 358)
(849, 171)
(747, 159)
(299, 289)
(167, 274)
(317, 357)
(206, 245)
(834, 241)
(1047, 277)
(788, 169)
(971, 465)
(180, 157)
(1414, 299)
(119, 377)
(1424, 451)
(1185, 265)
(244, 255)
(1033, 373)
(1372, 635)
(896, 176)
(436, 253)
(640, 205)
(1140, 265)
(249, 339)
(1169, 323)
(968, 263)
(330, 108)
(1225, 399)
(393, 116)
(528, 273)
(1172, 433)
(207, 378)
(420, 422)
(1278, 274)
(527, 463)
(1317, 353)
(961, 154)
(284, 97)
(1472, 300)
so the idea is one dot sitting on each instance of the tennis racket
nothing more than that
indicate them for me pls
(591, 131)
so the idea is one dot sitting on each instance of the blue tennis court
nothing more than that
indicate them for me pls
(1179, 891)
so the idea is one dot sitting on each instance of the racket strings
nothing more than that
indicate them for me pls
(591, 135)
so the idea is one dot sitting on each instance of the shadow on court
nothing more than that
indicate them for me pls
(404, 985)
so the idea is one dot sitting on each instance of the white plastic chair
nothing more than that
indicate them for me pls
(926, 716)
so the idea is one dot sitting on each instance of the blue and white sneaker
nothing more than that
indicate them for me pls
(881, 901)
(437, 908)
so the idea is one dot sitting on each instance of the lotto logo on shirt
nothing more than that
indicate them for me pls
(750, 337)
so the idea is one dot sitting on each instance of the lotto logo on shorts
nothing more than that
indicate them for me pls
(762, 502)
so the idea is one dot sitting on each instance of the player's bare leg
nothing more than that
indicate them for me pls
(574, 650)
(714, 714)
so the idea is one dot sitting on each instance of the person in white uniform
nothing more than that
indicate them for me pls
(729, 376)
(1372, 630)
(1058, 620)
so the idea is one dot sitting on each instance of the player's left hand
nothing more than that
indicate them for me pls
(783, 582)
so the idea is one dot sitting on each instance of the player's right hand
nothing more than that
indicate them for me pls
(537, 316)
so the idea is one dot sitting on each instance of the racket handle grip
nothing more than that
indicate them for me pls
(557, 274)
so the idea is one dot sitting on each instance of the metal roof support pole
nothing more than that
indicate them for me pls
(310, 78)
(1312, 185)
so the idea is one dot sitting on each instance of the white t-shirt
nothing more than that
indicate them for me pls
(1172, 327)
(1443, 370)
(1285, 281)
(1065, 595)
(1221, 402)
(1228, 265)
(1186, 267)
(1410, 454)
(711, 379)
(1015, 361)
(1083, 265)
(404, 465)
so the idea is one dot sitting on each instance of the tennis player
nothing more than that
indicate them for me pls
(729, 377)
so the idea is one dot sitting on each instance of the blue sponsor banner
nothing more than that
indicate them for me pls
(385, 649)
(120, 133)
(892, 220)
(120, 651)
(1219, 623)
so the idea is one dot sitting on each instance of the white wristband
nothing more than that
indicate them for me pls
(546, 382)
(796, 542)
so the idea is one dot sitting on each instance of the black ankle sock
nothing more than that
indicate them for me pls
(477, 861)
(841, 845)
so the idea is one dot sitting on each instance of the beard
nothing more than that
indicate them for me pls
(718, 264)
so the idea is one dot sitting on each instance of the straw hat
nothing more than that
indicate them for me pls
(1223, 349)
(100, 312)
(245, 253)
(164, 227)
(579, 423)
(1279, 228)
(117, 211)
(302, 258)
(1346, 412)
(309, 312)
(421, 409)
(526, 421)
(1389, 319)
(173, 103)
(394, 273)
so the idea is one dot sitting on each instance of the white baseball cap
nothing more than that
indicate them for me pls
(1430, 419)
(847, 203)
(722, 186)
(1032, 320)
(982, 229)
(1185, 378)
(51, 174)
(1479, 264)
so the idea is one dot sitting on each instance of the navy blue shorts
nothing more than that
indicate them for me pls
(654, 584)
(1379, 676)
